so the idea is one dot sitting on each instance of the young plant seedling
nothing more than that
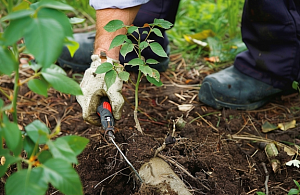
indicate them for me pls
(113, 70)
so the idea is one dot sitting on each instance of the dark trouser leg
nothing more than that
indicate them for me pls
(271, 32)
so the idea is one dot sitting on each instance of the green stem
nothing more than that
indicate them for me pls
(137, 91)
(16, 86)
(5, 94)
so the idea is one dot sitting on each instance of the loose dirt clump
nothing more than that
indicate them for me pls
(207, 154)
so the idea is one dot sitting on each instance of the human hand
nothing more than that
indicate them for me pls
(93, 88)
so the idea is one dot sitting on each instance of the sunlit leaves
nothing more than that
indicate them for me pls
(117, 41)
(27, 182)
(157, 49)
(38, 86)
(110, 78)
(61, 82)
(62, 176)
(114, 25)
(104, 67)
(7, 61)
(162, 23)
(126, 48)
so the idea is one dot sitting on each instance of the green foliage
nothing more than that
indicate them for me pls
(222, 17)
(45, 29)
(294, 191)
(127, 46)
(111, 71)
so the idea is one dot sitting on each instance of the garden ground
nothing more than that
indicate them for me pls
(214, 153)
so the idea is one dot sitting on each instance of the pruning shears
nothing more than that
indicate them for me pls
(104, 111)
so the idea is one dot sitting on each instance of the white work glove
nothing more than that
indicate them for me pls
(93, 88)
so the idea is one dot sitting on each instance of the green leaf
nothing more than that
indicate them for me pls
(293, 191)
(145, 32)
(1, 104)
(126, 48)
(44, 39)
(260, 193)
(105, 67)
(60, 149)
(267, 127)
(157, 32)
(143, 45)
(21, 6)
(37, 131)
(18, 15)
(76, 143)
(124, 75)
(8, 63)
(110, 78)
(12, 135)
(152, 61)
(136, 61)
(131, 29)
(58, 16)
(62, 83)
(54, 5)
(154, 81)
(157, 49)
(34, 66)
(29, 145)
(9, 160)
(16, 30)
(146, 70)
(295, 85)
(114, 25)
(117, 41)
(155, 74)
(62, 176)
(76, 20)
(297, 184)
(38, 86)
(44, 156)
(72, 46)
(54, 69)
(27, 182)
(162, 23)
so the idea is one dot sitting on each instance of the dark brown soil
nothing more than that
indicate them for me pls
(205, 147)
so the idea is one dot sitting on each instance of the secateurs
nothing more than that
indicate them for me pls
(107, 120)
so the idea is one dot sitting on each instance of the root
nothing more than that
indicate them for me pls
(137, 122)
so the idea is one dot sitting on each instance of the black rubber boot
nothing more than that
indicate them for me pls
(232, 89)
(82, 57)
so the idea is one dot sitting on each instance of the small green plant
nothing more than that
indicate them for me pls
(40, 157)
(294, 191)
(112, 70)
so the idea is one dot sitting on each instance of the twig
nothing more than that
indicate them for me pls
(109, 177)
(208, 123)
(181, 168)
(267, 178)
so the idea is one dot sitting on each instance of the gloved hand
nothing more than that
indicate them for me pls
(93, 88)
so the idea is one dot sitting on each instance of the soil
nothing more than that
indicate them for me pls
(207, 146)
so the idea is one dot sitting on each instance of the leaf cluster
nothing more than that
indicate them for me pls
(128, 46)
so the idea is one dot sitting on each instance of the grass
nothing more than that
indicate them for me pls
(222, 17)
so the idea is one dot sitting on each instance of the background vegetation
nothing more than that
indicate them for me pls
(216, 22)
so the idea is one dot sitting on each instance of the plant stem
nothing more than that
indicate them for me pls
(16, 86)
(137, 122)
(138, 126)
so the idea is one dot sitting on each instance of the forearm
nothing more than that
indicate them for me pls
(104, 38)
